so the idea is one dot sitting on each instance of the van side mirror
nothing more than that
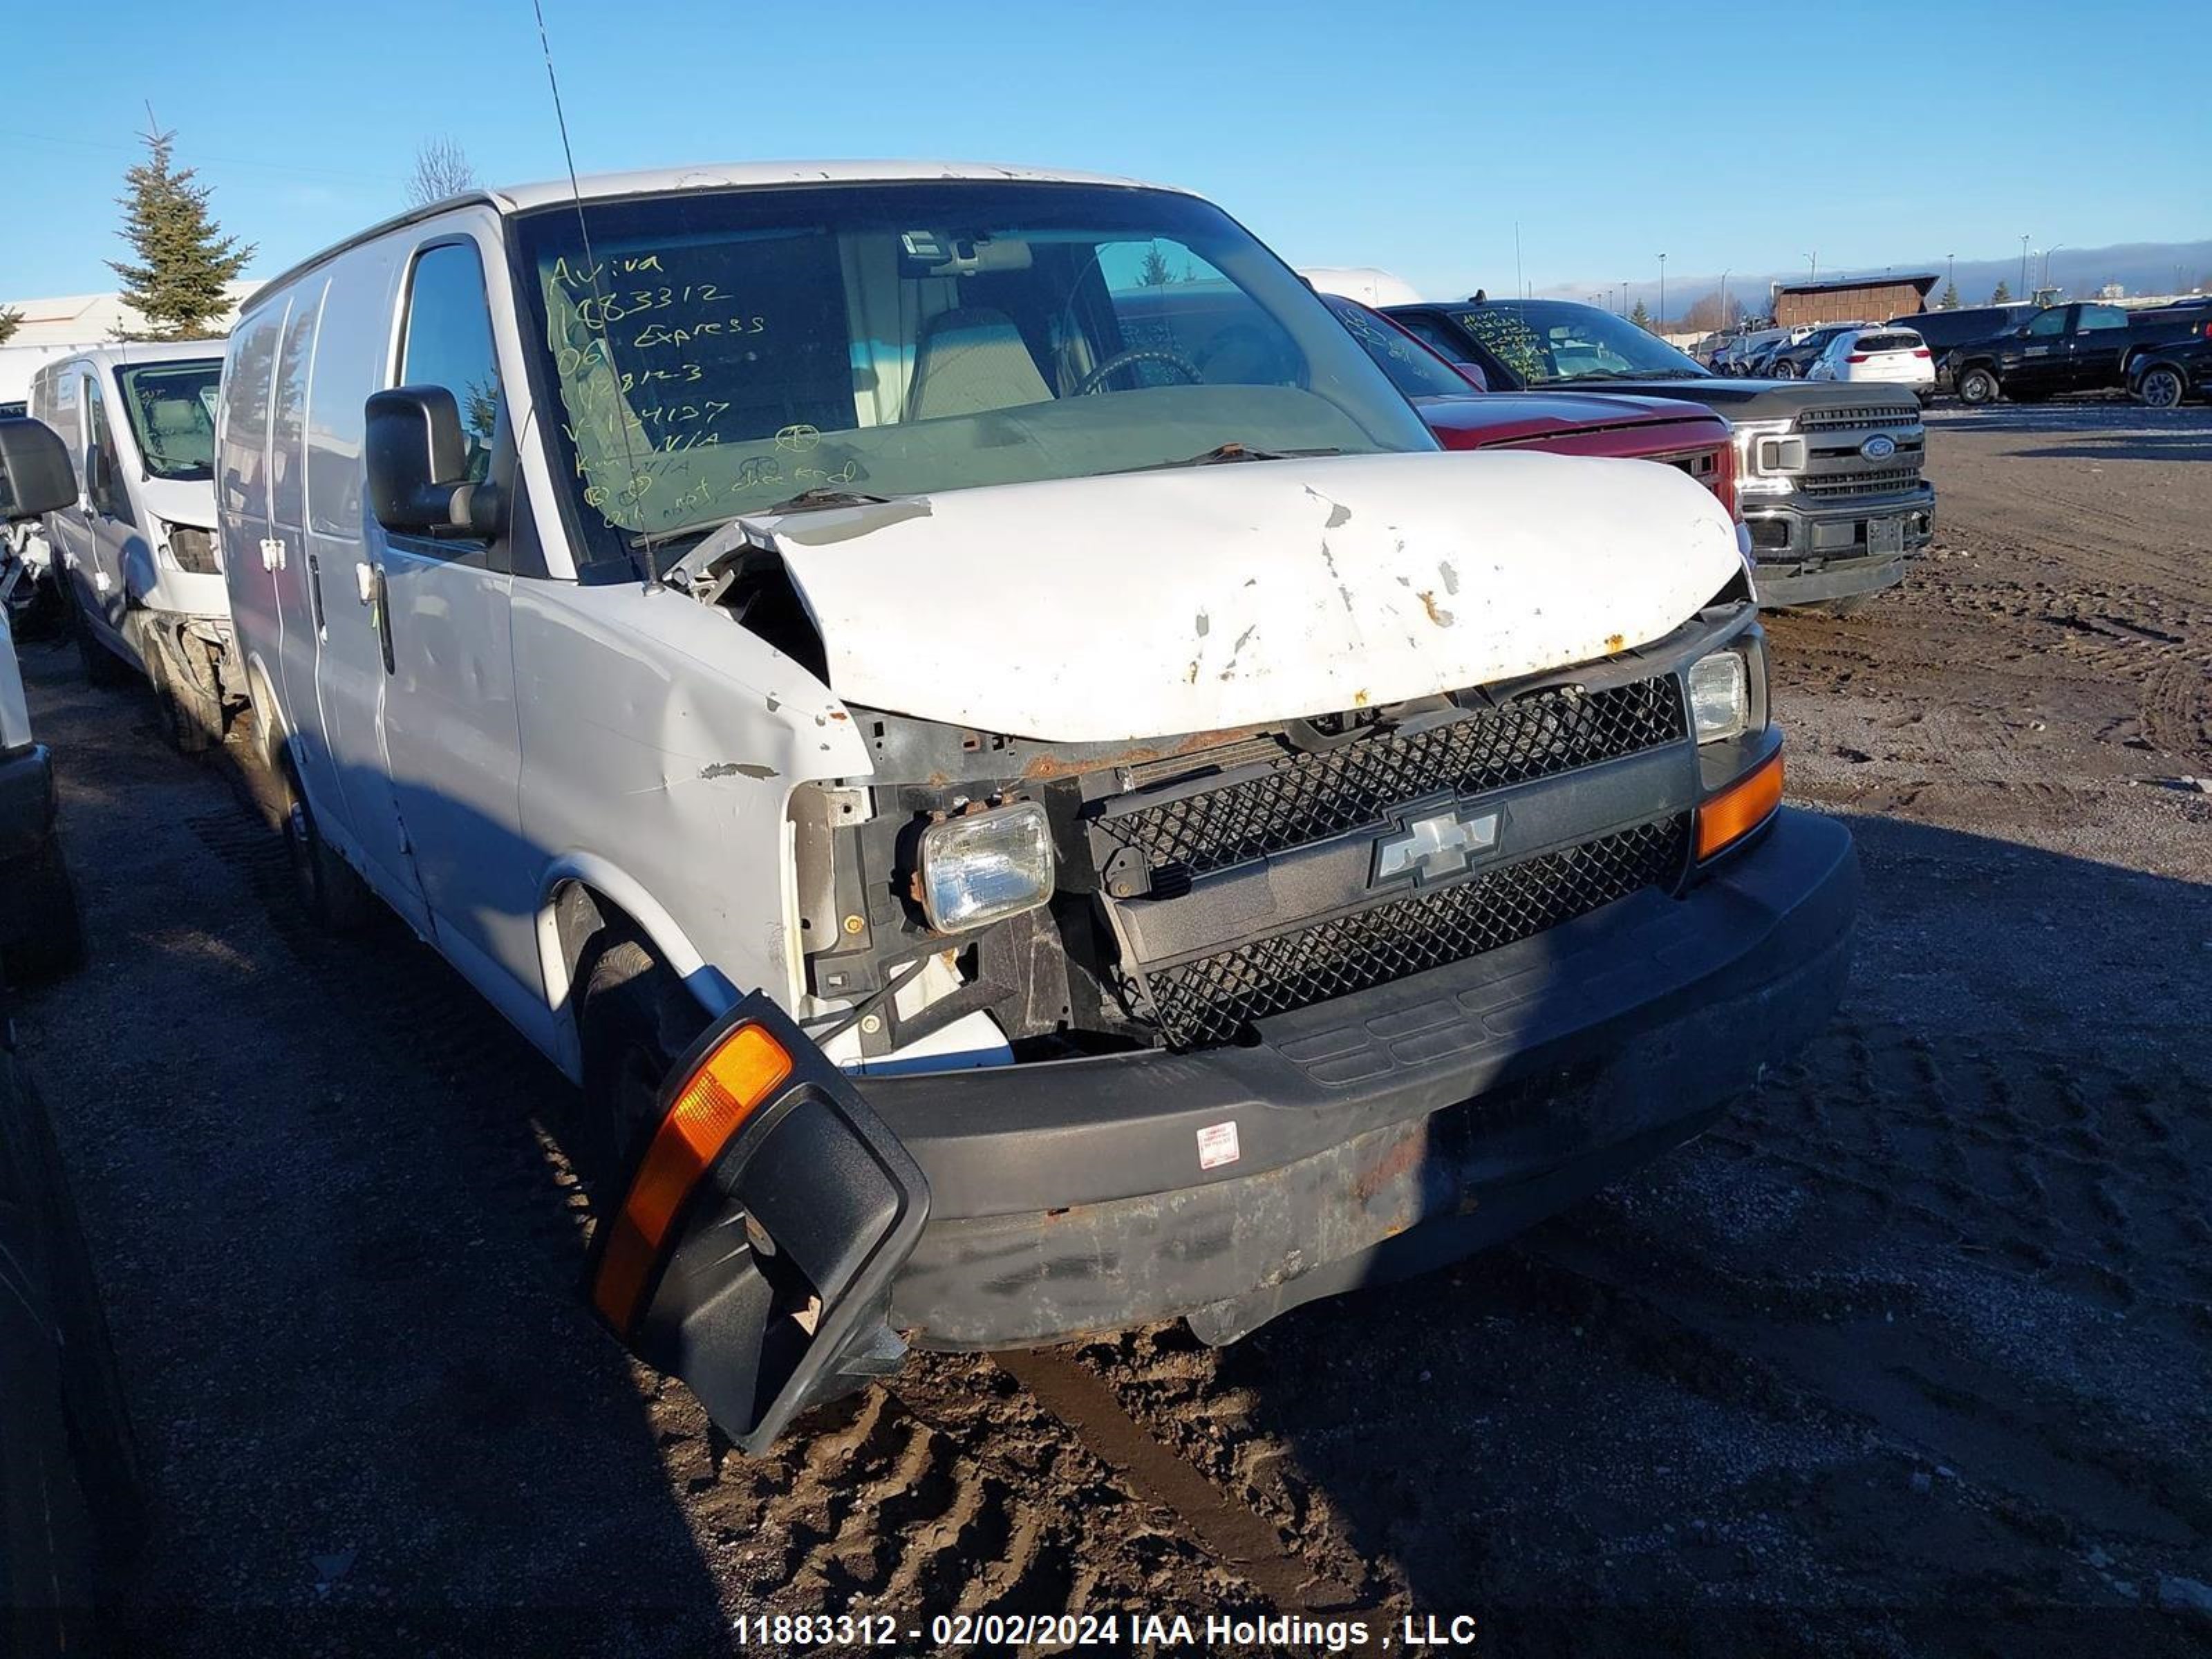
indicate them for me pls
(35, 476)
(418, 466)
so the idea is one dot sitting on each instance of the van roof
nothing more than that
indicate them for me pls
(667, 181)
(125, 353)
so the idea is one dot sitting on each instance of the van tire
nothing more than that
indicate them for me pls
(102, 667)
(186, 712)
(45, 924)
(331, 892)
(633, 1019)
(1978, 386)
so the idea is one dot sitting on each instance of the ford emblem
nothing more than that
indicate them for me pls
(1880, 447)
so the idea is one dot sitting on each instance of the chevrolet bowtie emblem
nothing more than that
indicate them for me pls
(1438, 845)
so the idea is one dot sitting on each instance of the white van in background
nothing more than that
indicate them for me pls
(136, 557)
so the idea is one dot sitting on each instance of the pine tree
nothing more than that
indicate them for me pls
(184, 260)
(1640, 317)
(10, 322)
(1950, 299)
(1155, 272)
(2001, 295)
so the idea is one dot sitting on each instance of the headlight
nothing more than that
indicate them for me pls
(986, 867)
(189, 548)
(1720, 697)
(1766, 456)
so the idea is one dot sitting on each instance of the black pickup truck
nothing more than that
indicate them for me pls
(1828, 477)
(2081, 347)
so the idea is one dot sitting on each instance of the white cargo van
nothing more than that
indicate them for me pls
(1026, 806)
(136, 554)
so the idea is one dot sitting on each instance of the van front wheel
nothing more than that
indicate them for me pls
(635, 1017)
(330, 890)
(192, 719)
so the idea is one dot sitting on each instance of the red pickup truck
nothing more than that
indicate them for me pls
(1464, 415)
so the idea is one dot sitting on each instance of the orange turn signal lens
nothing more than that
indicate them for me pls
(737, 1078)
(1740, 808)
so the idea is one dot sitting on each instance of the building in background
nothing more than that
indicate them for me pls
(55, 327)
(1852, 299)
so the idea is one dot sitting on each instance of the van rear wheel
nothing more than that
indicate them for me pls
(635, 1018)
(331, 892)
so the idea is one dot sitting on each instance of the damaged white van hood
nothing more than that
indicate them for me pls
(1153, 604)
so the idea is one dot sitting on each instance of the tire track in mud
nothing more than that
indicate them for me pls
(1237, 1536)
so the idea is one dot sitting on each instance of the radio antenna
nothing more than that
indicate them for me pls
(591, 264)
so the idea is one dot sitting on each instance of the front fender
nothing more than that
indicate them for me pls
(669, 942)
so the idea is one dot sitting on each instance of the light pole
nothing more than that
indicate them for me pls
(2047, 252)
(1950, 273)
(1813, 265)
(1662, 318)
(2023, 267)
(1724, 297)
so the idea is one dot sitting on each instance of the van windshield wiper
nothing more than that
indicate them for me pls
(1221, 453)
(808, 500)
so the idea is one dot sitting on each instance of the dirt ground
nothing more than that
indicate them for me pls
(1908, 1357)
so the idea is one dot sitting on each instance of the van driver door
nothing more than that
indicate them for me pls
(451, 731)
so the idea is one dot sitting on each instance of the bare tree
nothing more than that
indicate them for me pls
(441, 169)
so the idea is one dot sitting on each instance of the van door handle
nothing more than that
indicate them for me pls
(272, 553)
(368, 582)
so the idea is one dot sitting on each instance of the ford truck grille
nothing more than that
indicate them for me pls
(1307, 798)
(1883, 483)
(1214, 999)
(1836, 420)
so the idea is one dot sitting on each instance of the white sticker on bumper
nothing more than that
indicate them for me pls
(1216, 1145)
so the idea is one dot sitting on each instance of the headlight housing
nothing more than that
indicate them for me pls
(1767, 456)
(985, 866)
(188, 548)
(1720, 695)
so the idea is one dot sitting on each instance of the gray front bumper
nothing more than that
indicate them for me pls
(1806, 551)
(1378, 1135)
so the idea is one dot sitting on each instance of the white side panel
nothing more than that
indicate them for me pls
(660, 740)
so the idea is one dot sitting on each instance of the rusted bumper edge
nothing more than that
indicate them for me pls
(1380, 1134)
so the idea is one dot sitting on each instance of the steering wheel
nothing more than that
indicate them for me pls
(1096, 379)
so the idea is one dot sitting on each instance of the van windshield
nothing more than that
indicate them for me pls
(173, 416)
(720, 353)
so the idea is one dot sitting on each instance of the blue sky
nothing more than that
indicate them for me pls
(1413, 139)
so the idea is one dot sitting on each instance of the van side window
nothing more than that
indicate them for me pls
(447, 341)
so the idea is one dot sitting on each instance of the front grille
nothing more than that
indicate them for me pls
(1836, 420)
(1886, 481)
(1307, 798)
(1213, 999)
